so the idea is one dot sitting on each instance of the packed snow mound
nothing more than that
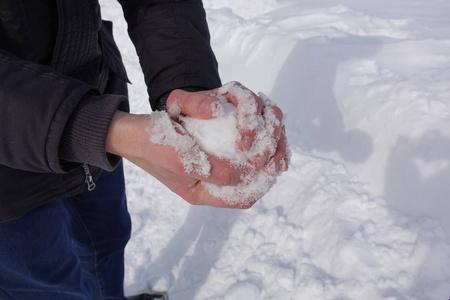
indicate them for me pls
(362, 212)
(328, 239)
(316, 235)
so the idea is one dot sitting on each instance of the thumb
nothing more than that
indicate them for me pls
(199, 105)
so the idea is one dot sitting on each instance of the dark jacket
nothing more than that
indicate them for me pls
(62, 80)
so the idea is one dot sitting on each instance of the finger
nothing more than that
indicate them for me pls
(245, 139)
(249, 105)
(190, 189)
(280, 161)
(276, 111)
(236, 93)
(260, 160)
(199, 105)
(273, 118)
(199, 195)
(224, 173)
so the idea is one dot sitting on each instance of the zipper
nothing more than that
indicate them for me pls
(89, 180)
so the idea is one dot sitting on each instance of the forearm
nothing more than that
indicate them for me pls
(173, 43)
(36, 103)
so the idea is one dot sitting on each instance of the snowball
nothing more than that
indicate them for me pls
(218, 136)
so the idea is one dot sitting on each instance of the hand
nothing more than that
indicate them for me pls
(206, 104)
(128, 136)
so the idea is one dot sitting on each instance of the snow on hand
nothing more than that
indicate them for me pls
(218, 137)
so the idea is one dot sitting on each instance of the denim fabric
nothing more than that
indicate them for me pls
(69, 249)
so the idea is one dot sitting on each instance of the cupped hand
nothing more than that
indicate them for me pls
(129, 136)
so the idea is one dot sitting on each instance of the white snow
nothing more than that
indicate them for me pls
(362, 212)
(163, 131)
(217, 136)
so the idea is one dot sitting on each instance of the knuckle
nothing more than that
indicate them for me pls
(203, 102)
(227, 177)
(175, 95)
(191, 97)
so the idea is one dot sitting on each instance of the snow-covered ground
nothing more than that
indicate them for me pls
(363, 211)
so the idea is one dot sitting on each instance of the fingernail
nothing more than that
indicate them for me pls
(175, 109)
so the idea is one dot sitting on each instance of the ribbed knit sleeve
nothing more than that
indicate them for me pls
(85, 134)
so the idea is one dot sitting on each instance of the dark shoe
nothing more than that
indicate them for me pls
(152, 296)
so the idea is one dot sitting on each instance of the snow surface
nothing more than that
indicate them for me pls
(362, 211)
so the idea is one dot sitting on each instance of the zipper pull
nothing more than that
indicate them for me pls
(89, 179)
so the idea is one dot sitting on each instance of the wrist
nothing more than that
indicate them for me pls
(125, 134)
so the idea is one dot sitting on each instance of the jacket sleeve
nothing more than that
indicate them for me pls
(39, 106)
(173, 44)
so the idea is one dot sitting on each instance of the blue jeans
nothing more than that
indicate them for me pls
(69, 249)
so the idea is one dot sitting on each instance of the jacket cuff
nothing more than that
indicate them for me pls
(159, 93)
(84, 136)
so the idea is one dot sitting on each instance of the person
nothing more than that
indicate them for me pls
(65, 126)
